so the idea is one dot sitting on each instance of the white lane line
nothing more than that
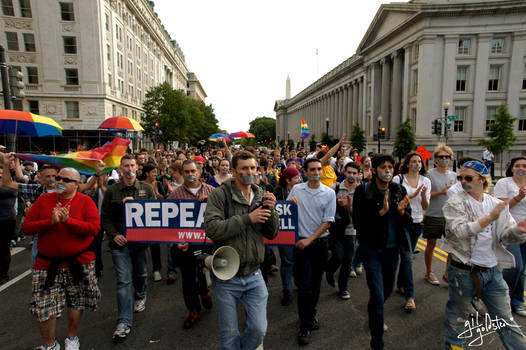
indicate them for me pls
(17, 250)
(14, 280)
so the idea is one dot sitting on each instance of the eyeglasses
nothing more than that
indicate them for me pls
(64, 179)
(444, 157)
(468, 178)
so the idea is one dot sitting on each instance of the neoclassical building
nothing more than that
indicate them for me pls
(87, 60)
(415, 57)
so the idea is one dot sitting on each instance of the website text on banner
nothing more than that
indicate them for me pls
(182, 220)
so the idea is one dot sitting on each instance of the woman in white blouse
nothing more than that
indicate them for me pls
(512, 189)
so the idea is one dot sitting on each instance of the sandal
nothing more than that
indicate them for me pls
(410, 305)
(444, 278)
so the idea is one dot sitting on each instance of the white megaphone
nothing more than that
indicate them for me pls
(224, 263)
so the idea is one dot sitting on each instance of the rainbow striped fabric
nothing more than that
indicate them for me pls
(85, 161)
(305, 132)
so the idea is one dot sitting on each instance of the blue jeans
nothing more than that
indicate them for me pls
(342, 254)
(171, 271)
(34, 250)
(515, 277)
(405, 274)
(286, 255)
(130, 267)
(380, 269)
(496, 299)
(252, 292)
(357, 259)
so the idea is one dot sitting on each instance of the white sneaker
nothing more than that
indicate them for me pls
(72, 343)
(55, 346)
(353, 274)
(157, 276)
(121, 332)
(359, 270)
(139, 305)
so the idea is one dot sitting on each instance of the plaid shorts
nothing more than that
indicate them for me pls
(78, 296)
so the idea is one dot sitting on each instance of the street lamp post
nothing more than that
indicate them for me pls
(446, 106)
(378, 131)
(327, 127)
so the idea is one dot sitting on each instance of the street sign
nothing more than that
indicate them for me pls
(452, 117)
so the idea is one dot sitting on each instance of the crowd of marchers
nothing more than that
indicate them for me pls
(356, 214)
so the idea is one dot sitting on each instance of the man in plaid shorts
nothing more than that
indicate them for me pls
(64, 270)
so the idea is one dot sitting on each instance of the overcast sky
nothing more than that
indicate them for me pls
(243, 50)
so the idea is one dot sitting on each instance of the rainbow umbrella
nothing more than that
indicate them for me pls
(240, 134)
(121, 123)
(25, 123)
(216, 137)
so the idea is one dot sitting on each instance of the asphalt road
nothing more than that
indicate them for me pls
(343, 323)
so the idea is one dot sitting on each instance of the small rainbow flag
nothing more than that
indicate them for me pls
(305, 132)
(85, 161)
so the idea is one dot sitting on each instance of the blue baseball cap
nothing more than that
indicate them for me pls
(477, 166)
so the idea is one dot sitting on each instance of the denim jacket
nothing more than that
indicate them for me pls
(462, 228)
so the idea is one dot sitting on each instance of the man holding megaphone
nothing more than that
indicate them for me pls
(239, 214)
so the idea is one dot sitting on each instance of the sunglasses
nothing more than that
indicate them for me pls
(444, 157)
(64, 179)
(468, 178)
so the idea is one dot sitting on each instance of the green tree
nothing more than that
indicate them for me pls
(405, 139)
(264, 128)
(500, 135)
(358, 138)
(180, 117)
(312, 143)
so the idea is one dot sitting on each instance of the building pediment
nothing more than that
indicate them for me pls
(387, 20)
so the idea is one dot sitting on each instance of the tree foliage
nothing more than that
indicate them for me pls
(312, 142)
(358, 138)
(405, 140)
(180, 117)
(264, 128)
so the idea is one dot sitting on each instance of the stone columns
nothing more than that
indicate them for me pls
(386, 79)
(361, 108)
(345, 114)
(396, 94)
(355, 103)
(405, 84)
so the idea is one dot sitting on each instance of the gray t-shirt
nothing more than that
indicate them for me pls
(438, 182)
(343, 191)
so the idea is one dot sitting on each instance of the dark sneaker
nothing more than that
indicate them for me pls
(315, 324)
(191, 319)
(287, 298)
(345, 295)
(121, 332)
(206, 300)
(170, 279)
(304, 338)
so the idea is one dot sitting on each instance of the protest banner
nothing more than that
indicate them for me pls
(182, 221)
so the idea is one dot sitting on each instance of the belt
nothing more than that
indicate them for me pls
(319, 240)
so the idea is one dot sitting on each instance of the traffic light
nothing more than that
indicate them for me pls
(381, 132)
(16, 84)
(437, 127)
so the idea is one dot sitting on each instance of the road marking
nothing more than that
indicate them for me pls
(437, 253)
(17, 250)
(14, 280)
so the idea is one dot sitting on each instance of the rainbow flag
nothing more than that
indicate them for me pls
(85, 161)
(305, 132)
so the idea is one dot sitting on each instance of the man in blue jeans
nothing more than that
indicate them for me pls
(239, 214)
(381, 212)
(130, 259)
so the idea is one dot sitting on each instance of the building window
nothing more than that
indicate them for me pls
(496, 45)
(458, 125)
(66, 11)
(72, 76)
(138, 52)
(33, 107)
(120, 35)
(116, 32)
(522, 119)
(463, 46)
(25, 8)
(413, 119)
(462, 73)
(494, 76)
(107, 23)
(72, 110)
(114, 110)
(109, 81)
(29, 42)
(70, 44)
(32, 75)
(490, 116)
(108, 52)
(7, 8)
(12, 41)
(524, 79)
(415, 82)
(122, 61)
(17, 105)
